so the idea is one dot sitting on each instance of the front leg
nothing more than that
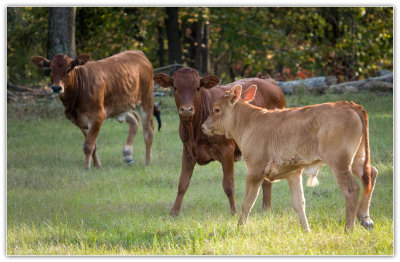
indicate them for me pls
(96, 160)
(184, 181)
(89, 147)
(253, 183)
(296, 190)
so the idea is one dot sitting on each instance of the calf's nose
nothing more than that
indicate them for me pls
(56, 89)
(186, 110)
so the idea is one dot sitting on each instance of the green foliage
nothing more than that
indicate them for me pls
(56, 207)
(26, 37)
(293, 43)
(287, 43)
(103, 32)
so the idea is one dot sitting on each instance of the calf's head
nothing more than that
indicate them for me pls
(187, 86)
(218, 122)
(60, 66)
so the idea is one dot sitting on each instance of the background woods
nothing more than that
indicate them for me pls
(287, 43)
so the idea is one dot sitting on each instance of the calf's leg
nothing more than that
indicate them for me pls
(228, 180)
(350, 190)
(253, 183)
(296, 189)
(96, 160)
(184, 181)
(132, 118)
(148, 128)
(267, 190)
(89, 147)
(363, 209)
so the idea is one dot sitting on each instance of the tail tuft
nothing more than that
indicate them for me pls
(157, 114)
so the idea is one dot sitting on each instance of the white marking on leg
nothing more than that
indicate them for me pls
(127, 154)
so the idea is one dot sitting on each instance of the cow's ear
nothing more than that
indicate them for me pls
(40, 61)
(80, 60)
(209, 81)
(164, 80)
(250, 93)
(234, 94)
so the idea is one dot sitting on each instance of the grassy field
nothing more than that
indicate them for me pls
(56, 207)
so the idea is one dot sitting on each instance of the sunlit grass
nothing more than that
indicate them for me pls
(56, 207)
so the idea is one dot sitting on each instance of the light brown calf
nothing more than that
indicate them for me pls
(280, 144)
(92, 91)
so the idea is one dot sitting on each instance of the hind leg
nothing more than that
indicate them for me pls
(132, 118)
(350, 190)
(148, 128)
(363, 209)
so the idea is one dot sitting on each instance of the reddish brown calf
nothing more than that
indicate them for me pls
(92, 91)
(194, 96)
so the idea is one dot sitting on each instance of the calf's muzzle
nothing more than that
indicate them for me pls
(186, 110)
(56, 89)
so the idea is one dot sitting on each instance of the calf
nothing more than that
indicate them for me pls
(279, 144)
(194, 96)
(108, 88)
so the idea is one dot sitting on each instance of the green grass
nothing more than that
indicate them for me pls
(56, 207)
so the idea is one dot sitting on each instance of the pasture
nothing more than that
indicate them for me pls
(57, 207)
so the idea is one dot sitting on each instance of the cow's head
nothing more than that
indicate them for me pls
(187, 86)
(218, 121)
(60, 66)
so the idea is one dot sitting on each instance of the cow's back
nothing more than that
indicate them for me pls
(124, 79)
(268, 94)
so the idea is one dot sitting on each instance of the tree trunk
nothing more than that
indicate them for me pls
(160, 51)
(174, 46)
(61, 30)
(199, 40)
(206, 49)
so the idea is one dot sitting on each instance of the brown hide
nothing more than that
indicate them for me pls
(194, 97)
(279, 144)
(109, 88)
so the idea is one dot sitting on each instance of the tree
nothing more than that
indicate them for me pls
(174, 45)
(61, 28)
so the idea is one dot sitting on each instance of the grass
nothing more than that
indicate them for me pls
(56, 207)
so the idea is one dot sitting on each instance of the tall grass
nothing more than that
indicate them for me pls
(56, 207)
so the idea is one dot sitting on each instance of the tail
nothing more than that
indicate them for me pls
(366, 178)
(157, 114)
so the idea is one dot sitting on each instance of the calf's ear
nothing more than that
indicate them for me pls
(164, 80)
(234, 94)
(209, 81)
(249, 94)
(80, 60)
(40, 61)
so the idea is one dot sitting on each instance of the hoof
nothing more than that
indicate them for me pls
(173, 214)
(129, 162)
(367, 224)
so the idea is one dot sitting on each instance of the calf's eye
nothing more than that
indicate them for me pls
(216, 110)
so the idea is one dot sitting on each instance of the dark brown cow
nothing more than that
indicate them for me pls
(194, 97)
(92, 91)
